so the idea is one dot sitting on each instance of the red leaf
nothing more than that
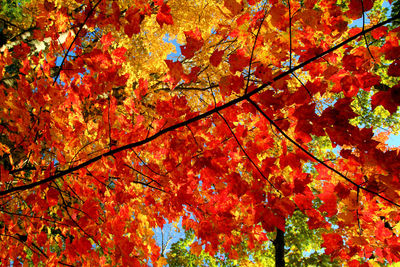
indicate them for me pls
(354, 263)
(332, 243)
(390, 100)
(379, 32)
(231, 83)
(52, 196)
(300, 183)
(175, 71)
(304, 202)
(342, 191)
(352, 62)
(82, 245)
(119, 55)
(252, 2)
(350, 85)
(270, 220)
(315, 220)
(134, 18)
(284, 206)
(21, 50)
(4, 175)
(356, 8)
(368, 80)
(216, 57)
(107, 40)
(116, 15)
(329, 200)
(164, 15)
(192, 76)
(194, 42)
(238, 61)
(243, 18)
(233, 6)
(264, 73)
(394, 68)
(91, 208)
(142, 88)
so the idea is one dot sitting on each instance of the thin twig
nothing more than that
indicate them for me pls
(73, 41)
(317, 159)
(254, 47)
(358, 215)
(244, 151)
(141, 173)
(305, 87)
(363, 28)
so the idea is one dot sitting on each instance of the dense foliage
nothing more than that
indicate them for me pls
(269, 122)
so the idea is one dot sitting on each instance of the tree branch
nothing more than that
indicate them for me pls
(197, 118)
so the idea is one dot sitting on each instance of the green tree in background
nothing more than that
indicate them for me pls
(302, 248)
(395, 11)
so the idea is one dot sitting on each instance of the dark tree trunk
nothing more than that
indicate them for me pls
(279, 244)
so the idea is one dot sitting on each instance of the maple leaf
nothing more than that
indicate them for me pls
(332, 242)
(264, 73)
(233, 6)
(194, 42)
(329, 203)
(304, 201)
(164, 15)
(231, 83)
(175, 71)
(350, 85)
(192, 76)
(21, 50)
(142, 88)
(238, 61)
(394, 68)
(82, 245)
(134, 18)
(390, 99)
(118, 55)
(107, 40)
(216, 57)
(356, 8)
(342, 191)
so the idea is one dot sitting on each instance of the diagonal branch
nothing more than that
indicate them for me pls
(244, 151)
(193, 119)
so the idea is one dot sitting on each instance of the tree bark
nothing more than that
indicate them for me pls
(279, 244)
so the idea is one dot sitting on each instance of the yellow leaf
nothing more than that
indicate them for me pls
(161, 261)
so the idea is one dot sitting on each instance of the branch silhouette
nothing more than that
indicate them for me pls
(202, 116)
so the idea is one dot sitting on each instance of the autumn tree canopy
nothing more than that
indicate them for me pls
(269, 109)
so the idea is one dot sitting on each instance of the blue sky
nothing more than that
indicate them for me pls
(394, 140)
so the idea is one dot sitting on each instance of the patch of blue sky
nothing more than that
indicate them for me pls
(174, 41)
(393, 141)
(359, 22)
(168, 235)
